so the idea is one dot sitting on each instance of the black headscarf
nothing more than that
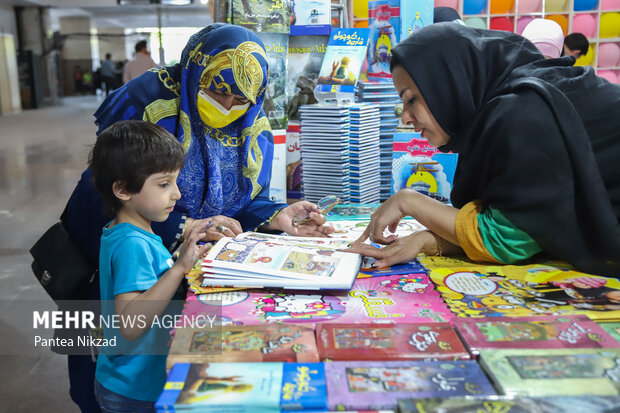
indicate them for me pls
(537, 139)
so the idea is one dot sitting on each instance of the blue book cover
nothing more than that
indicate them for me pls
(418, 165)
(303, 387)
(384, 23)
(220, 386)
(310, 17)
(414, 15)
(343, 60)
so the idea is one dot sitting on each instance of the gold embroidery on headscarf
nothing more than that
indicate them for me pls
(255, 156)
(246, 69)
(198, 57)
(162, 108)
(225, 140)
(212, 72)
(167, 80)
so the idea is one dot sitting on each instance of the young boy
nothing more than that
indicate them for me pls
(135, 167)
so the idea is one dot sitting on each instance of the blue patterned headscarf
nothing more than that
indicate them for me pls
(224, 168)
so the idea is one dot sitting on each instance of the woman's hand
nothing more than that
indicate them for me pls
(221, 226)
(283, 221)
(388, 215)
(400, 251)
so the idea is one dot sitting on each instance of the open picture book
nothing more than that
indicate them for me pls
(263, 260)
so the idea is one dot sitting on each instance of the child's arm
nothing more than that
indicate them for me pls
(153, 302)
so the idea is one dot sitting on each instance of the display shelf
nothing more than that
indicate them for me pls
(514, 16)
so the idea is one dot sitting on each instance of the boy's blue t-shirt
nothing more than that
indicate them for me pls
(132, 259)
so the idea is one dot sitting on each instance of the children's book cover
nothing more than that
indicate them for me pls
(418, 165)
(242, 262)
(554, 372)
(384, 23)
(390, 299)
(273, 342)
(343, 59)
(378, 385)
(261, 15)
(612, 328)
(576, 331)
(274, 104)
(305, 56)
(414, 15)
(505, 404)
(310, 17)
(423, 341)
(526, 290)
(244, 387)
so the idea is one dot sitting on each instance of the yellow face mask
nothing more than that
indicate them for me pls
(215, 115)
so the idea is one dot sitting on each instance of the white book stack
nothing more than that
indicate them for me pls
(324, 140)
(364, 154)
(387, 98)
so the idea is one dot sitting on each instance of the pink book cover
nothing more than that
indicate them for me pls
(390, 299)
(571, 331)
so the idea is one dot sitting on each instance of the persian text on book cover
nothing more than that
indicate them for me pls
(424, 341)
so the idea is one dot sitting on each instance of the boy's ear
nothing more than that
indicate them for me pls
(118, 188)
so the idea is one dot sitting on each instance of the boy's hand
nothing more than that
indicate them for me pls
(190, 251)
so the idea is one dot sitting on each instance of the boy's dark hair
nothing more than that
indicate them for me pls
(577, 41)
(129, 152)
(140, 46)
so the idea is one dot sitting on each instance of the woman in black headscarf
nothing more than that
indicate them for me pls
(539, 152)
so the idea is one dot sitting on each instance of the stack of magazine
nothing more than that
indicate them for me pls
(383, 94)
(364, 153)
(325, 151)
(263, 260)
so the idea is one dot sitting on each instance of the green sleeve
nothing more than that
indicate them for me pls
(507, 243)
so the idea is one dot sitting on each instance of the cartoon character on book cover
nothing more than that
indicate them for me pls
(344, 56)
(384, 23)
(368, 301)
(527, 290)
(417, 165)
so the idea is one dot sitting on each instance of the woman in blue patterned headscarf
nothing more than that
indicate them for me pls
(212, 102)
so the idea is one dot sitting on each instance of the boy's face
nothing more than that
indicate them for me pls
(157, 198)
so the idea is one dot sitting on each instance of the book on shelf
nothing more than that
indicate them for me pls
(378, 385)
(384, 22)
(506, 404)
(274, 104)
(253, 262)
(244, 387)
(571, 331)
(305, 56)
(310, 17)
(272, 342)
(554, 372)
(390, 299)
(261, 15)
(420, 341)
(343, 60)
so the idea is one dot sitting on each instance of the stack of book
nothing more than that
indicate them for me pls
(324, 142)
(383, 94)
(364, 153)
